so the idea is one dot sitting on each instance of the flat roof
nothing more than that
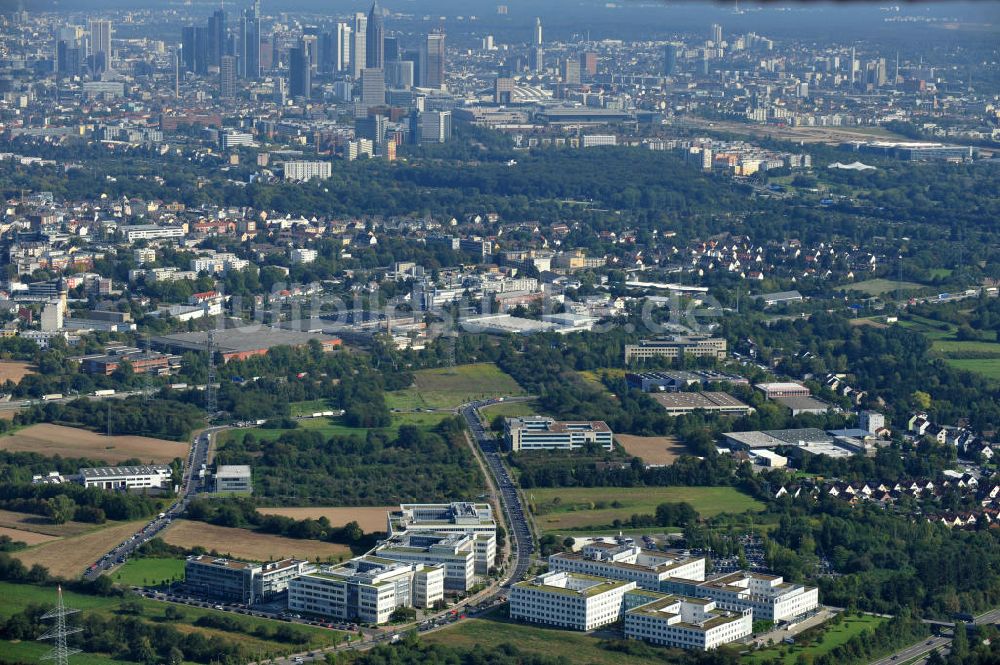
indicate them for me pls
(780, 385)
(115, 471)
(233, 470)
(802, 403)
(242, 339)
(699, 400)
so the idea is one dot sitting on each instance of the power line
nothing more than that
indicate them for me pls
(60, 652)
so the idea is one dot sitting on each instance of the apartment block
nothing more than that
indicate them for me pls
(541, 433)
(693, 346)
(683, 622)
(241, 581)
(569, 600)
(366, 588)
(648, 569)
(768, 596)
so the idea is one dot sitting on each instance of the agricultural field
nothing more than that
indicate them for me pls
(14, 370)
(652, 449)
(830, 639)
(371, 519)
(69, 557)
(27, 537)
(37, 524)
(988, 367)
(565, 509)
(881, 286)
(244, 544)
(494, 630)
(18, 596)
(448, 387)
(149, 571)
(51, 440)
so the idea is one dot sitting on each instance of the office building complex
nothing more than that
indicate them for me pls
(241, 581)
(299, 71)
(100, 45)
(456, 552)
(682, 622)
(624, 561)
(367, 588)
(503, 90)
(768, 596)
(460, 517)
(434, 126)
(372, 88)
(126, 477)
(375, 39)
(359, 48)
(694, 346)
(569, 600)
(249, 42)
(233, 478)
(542, 433)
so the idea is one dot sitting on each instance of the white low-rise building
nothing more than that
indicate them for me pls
(461, 517)
(769, 596)
(683, 622)
(367, 588)
(542, 433)
(126, 477)
(569, 600)
(455, 551)
(647, 568)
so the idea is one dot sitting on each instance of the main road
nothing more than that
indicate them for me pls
(191, 483)
(924, 647)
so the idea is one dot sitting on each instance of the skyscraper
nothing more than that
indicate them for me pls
(249, 42)
(100, 45)
(588, 63)
(391, 49)
(359, 52)
(375, 39)
(343, 47)
(716, 34)
(537, 53)
(669, 59)
(372, 88)
(432, 62)
(434, 126)
(299, 74)
(227, 76)
(217, 37)
(503, 90)
(571, 71)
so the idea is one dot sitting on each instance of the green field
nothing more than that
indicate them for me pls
(509, 410)
(334, 426)
(829, 640)
(449, 387)
(878, 287)
(988, 367)
(493, 630)
(308, 407)
(147, 571)
(562, 510)
(18, 596)
(969, 346)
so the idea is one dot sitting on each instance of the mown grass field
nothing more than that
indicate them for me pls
(448, 387)
(831, 639)
(148, 571)
(495, 630)
(509, 410)
(880, 286)
(308, 407)
(18, 596)
(334, 426)
(566, 509)
(988, 367)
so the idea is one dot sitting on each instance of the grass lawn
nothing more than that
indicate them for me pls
(573, 511)
(148, 571)
(448, 387)
(509, 410)
(494, 630)
(829, 640)
(878, 287)
(594, 375)
(309, 407)
(18, 596)
(335, 426)
(988, 367)
(970, 346)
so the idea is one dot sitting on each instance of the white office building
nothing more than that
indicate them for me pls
(569, 600)
(233, 478)
(460, 517)
(241, 581)
(126, 477)
(682, 622)
(367, 589)
(303, 255)
(455, 551)
(151, 232)
(541, 433)
(647, 568)
(768, 596)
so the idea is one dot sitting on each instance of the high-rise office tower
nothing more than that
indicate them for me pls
(372, 88)
(311, 44)
(372, 127)
(399, 74)
(537, 53)
(227, 76)
(299, 74)
(187, 47)
(571, 71)
(343, 47)
(434, 126)
(375, 39)
(391, 49)
(100, 45)
(588, 64)
(249, 42)
(416, 57)
(716, 34)
(69, 57)
(432, 62)
(177, 71)
(669, 59)
(359, 51)
(217, 37)
(852, 66)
